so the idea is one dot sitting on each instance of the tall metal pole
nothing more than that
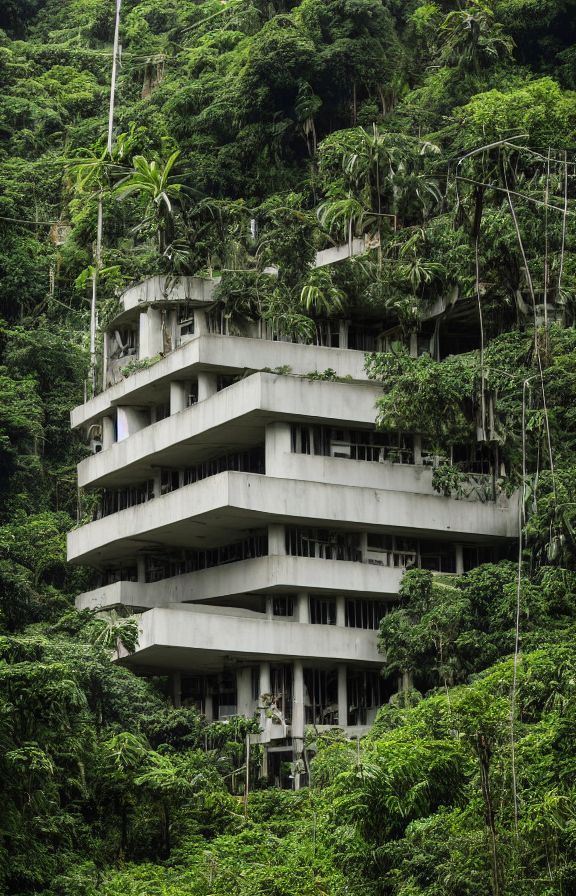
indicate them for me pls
(99, 226)
(114, 75)
(247, 775)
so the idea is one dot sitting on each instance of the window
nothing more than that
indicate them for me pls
(169, 481)
(322, 610)
(365, 613)
(437, 556)
(475, 556)
(325, 544)
(379, 542)
(281, 688)
(185, 320)
(321, 696)
(283, 605)
(367, 691)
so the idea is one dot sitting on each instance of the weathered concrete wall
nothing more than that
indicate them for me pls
(168, 634)
(232, 502)
(163, 289)
(259, 575)
(259, 398)
(224, 354)
(340, 253)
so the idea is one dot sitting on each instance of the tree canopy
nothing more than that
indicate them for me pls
(247, 134)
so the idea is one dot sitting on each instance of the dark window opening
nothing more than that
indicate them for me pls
(322, 610)
(282, 605)
(365, 613)
(323, 543)
(321, 697)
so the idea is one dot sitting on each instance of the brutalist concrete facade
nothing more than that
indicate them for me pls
(253, 517)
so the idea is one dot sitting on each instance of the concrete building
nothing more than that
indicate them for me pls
(248, 509)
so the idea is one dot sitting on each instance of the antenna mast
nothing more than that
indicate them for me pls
(98, 252)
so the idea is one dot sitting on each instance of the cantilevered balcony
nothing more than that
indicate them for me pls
(194, 637)
(219, 354)
(259, 575)
(236, 417)
(216, 510)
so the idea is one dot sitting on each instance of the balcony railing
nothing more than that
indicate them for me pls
(162, 567)
(300, 544)
(115, 500)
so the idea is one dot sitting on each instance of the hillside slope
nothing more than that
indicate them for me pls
(257, 132)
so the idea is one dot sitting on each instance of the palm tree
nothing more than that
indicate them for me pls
(321, 294)
(382, 173)
(153, 180)
(113, 632)
(472, 38)
(345, 217)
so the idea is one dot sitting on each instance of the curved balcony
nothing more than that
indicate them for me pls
(260, 575)
(193, 637)
(215, 510)
(225, 354)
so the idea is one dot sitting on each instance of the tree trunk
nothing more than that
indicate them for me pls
(484, 754)
(167, 846)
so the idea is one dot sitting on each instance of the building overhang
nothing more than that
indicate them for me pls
(259, 576)
(203, 640)
(162, 290)
(235, 416)
(221, 354)
(219, 510)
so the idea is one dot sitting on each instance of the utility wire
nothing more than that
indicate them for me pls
(521, 504)
(564, 221)
(494, 186)
(29, 221)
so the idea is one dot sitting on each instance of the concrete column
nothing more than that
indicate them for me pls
(417, 448)
(108, 432)
(276, 540)
(297, 719)
(265, 687)
(244, 702)
(200, 322)
(413, 345)
(207, 384)
(342, 696)
(341, 610)
(344, 333)
(209, 707)
(298, 700)
(157, 487)
(129, 421)
(178, 397)
(151, 341)
(459, 559)
(302, 607)
(176, 681)
(141, 568)
(265, 680)
(143, 335)
(278, 443)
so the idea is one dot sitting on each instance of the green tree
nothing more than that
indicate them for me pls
(155, 183)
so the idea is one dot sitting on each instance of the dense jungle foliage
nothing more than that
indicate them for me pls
(257, 132)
